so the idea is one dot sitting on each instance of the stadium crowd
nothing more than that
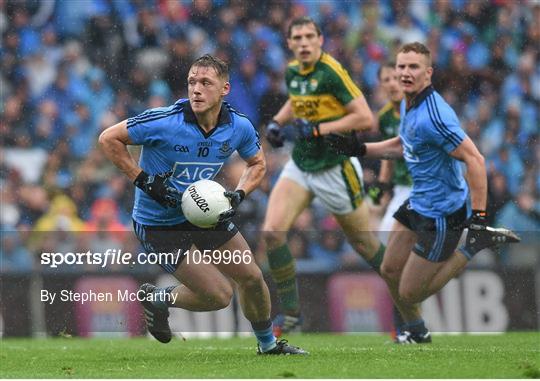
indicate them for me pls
(69, 69)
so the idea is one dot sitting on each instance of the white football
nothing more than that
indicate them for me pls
(203, 202)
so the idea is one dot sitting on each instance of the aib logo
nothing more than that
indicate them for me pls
(187, 173)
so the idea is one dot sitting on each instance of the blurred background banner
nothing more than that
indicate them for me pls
(70, 69)
(479, 301)
(121, 314)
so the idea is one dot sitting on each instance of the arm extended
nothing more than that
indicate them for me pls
(351, 146)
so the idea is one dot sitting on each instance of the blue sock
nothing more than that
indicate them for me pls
(264, 334)
(163, 298)
(416, 326)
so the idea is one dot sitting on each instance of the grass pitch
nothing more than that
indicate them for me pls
(513, 355)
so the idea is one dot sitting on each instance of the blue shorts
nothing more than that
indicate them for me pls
(178, 239)
(437, 237)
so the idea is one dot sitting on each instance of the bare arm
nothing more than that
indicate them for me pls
(285, 114)
(114, 141)
(386, 149)
(387, 169)
(476, 172)
(359, 117)
(253, 174)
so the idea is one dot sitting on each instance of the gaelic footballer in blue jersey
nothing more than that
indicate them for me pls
(421, 256)
(183, 143)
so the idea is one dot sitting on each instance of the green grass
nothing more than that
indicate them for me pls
(513, 355)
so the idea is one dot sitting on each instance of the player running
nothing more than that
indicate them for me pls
(183, 143)
(421, 254)
(322, 99)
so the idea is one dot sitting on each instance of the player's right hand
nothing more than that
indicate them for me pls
(274, 134)
(156, 187)
(348, 145)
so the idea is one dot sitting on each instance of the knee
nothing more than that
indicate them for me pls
(273, 237)
(252, 279)
(221, 297)
(409, 295)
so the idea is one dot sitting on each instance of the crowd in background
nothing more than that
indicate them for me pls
(69, 69)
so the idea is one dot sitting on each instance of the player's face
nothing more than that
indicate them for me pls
(205, 88)
(414, 72)
(390, 84)
(305, 44)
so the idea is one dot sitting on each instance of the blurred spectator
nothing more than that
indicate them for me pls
(273, 98)
(522, 215)
(177, 70)
(247, 87)
(14, 257)
(104, 217)
(329, 247)
(62, 215)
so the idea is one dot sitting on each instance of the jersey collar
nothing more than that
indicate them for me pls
(223, 118)
(420, 97)
(311, 68)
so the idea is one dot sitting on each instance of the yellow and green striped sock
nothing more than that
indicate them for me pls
(282, 267)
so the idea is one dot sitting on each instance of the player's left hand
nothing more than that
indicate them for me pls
(348, 145)
(306, 130)
(235, 198)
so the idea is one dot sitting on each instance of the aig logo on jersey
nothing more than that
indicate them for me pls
(187, 173)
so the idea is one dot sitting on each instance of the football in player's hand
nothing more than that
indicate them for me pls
(203, 202)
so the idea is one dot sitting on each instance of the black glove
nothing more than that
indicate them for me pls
(377, 190)
(236, 198)
(348, 145)
(306, 130)
(274, 134)
(156, 187)
(480, 236)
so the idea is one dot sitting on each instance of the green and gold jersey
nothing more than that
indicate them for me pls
(389, 128)
(318, 94)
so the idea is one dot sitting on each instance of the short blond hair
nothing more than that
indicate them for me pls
(417, 47)
(221, 67)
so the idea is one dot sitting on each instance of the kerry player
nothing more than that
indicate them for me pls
(394, 176)
(183, 143)
(322, 100)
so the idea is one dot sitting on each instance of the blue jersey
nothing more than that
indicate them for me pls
(172, 140)
(429, 131)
